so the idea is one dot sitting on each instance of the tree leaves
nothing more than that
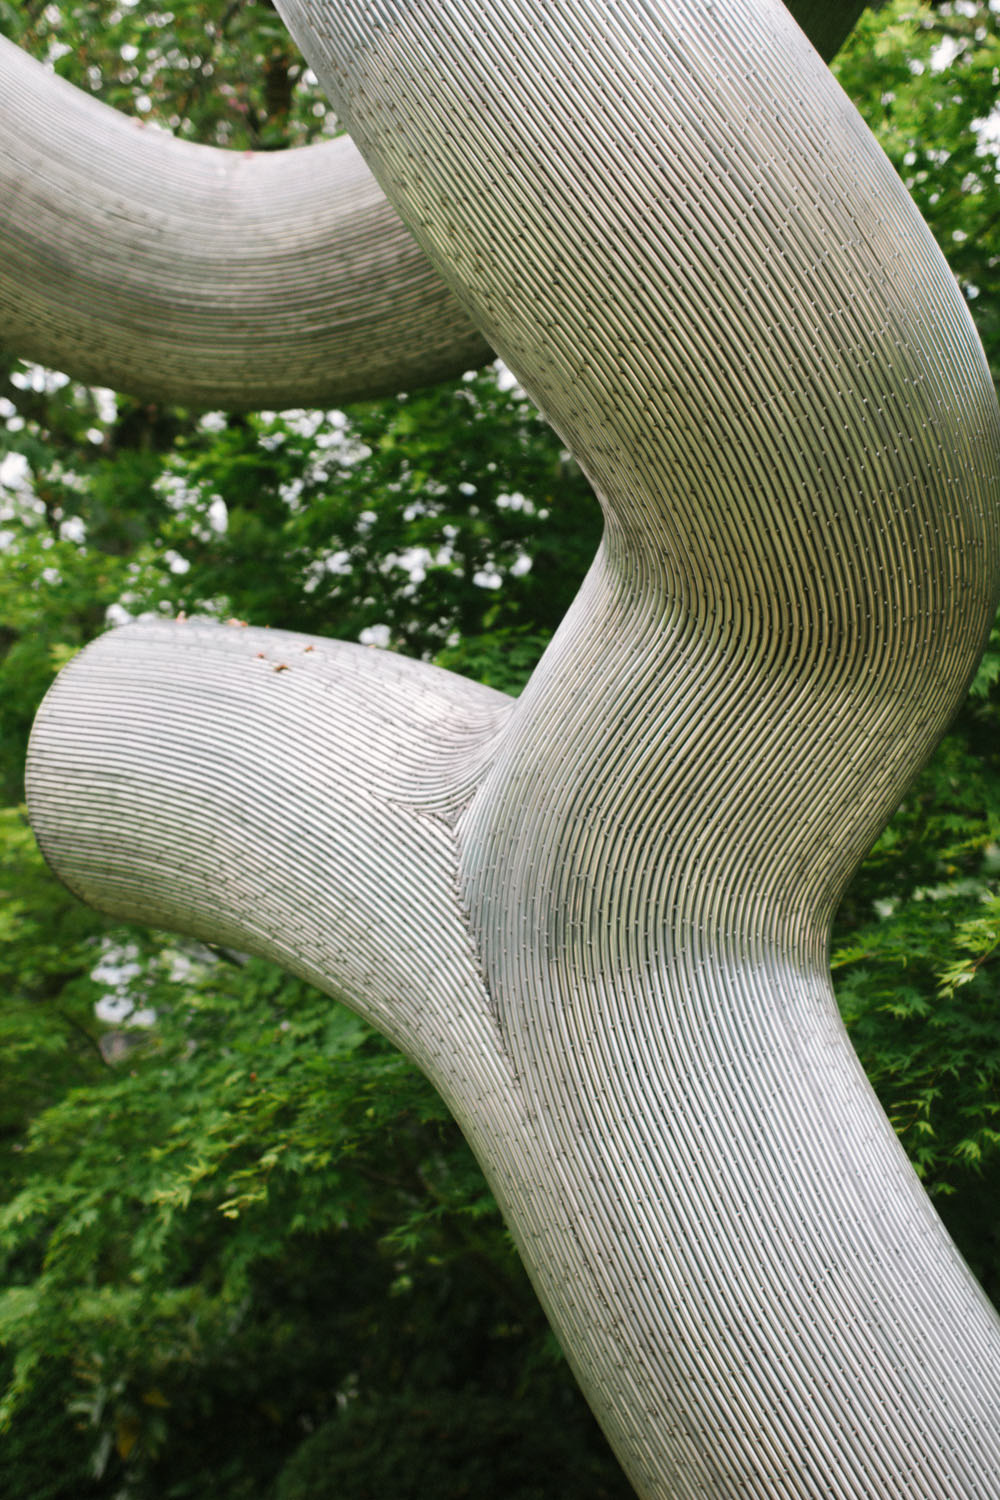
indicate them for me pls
(220, 1229)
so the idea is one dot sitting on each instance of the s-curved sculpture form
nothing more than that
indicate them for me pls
(219, 278)
(598, 917)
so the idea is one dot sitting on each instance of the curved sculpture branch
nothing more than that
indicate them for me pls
(684, 241)
(214, 278)
(282, 794)
(210, 278)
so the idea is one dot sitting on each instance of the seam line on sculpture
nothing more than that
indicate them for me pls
(490, 1003)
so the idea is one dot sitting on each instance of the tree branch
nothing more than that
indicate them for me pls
(827, 23)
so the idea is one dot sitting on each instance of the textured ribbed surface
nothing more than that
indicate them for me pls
(613, 898)
(288, 795)
(215, 278)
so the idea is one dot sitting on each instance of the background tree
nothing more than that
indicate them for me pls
(247, 1213)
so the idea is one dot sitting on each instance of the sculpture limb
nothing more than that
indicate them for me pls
(685, 243)
(206, 277)
(694, 256)
(277, 793)
(215, 278)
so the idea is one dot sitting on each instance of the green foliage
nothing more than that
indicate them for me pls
(483, 524)
(915, 941)
(450, 1444)
(926, 81)
(915, 973)
(48, 946)
(221, 71)
(259, 1207)
(230, 1215)
(504, 659)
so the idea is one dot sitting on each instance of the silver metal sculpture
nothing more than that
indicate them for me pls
(213, 278)
(598, 917)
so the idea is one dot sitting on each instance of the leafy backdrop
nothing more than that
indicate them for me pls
(245, 1252)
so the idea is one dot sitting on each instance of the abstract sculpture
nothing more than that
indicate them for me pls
(598, 917)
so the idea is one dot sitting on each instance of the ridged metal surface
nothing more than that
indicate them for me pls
(218, 278)
(599, 917)
(285, 794)
(214, 278)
